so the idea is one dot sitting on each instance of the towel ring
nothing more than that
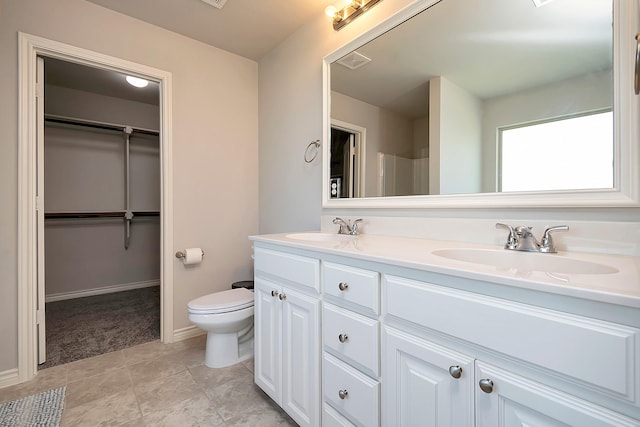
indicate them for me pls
(314, 149)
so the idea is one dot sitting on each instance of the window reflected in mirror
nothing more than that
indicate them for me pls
(567, 153)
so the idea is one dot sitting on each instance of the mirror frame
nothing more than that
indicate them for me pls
(626, 107)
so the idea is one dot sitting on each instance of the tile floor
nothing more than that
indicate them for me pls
(154, 384)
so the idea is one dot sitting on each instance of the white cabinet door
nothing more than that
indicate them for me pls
(301, 357)
(425, 384)
(267, 338)
(506, 399)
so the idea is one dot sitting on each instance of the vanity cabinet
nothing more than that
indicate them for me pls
(351, 342)
(402, 346)
(287, 333)
(425, 384)
(421, 379)
(507, 399)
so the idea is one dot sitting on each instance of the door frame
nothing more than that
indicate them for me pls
(29, 48)
(359, 167)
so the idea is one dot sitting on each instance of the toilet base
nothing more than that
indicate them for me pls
(223, 350)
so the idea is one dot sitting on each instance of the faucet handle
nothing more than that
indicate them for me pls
(546, 244)
(354, 226)
(512, 239)
(344, 226)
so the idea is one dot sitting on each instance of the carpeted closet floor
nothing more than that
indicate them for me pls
(86, 327)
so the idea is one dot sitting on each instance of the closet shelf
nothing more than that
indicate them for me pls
(96, 124)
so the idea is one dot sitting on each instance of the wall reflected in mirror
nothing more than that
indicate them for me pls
(438, 103)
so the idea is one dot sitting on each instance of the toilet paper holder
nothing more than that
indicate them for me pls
(182, 254)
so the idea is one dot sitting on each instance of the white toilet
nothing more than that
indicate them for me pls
(227, 317)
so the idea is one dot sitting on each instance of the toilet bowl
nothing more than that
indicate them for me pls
(227, 317)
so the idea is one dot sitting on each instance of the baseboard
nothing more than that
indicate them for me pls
(9, 377)
(101, 291)
(186, 333)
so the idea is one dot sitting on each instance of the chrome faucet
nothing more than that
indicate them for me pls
(346, 227)
(521, 238)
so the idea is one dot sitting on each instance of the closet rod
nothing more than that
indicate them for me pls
(102, 214)
(95, 124)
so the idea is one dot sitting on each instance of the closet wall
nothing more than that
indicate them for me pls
(85, 171)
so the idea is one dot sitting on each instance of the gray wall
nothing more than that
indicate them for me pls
(214, 153)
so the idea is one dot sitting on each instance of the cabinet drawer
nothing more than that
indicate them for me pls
(601, 355)
(361, 403)
(353, 285)
(331, 418)
(353, 336)
(292, 268)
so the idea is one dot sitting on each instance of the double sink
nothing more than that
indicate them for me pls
(499, 258)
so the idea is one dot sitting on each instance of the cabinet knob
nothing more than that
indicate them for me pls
(343, 286)
(274, 293)
(343, 394)
(282, 297)
(343, 337)
(455, 371)
(486, 385)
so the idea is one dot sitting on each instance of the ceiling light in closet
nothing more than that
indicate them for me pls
(136, 81)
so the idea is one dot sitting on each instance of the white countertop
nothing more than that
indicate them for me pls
(621, 287)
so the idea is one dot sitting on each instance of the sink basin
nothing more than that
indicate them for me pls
(321, 237)
(526, 261)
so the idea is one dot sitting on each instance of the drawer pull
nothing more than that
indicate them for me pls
(282, 297)
(343, 337)
(343, 394)
(455, 371)
(343, 286)
(486, 385)
(274, 293)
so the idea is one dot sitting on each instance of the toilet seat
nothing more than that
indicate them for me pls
(222, 302)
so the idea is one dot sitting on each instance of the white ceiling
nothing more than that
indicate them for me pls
(249, 28)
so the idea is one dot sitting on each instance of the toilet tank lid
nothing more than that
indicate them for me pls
(232, 298)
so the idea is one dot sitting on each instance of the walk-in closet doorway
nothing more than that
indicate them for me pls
(101, 212)
(94, 220)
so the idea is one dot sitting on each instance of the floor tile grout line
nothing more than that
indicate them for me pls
(135, 394)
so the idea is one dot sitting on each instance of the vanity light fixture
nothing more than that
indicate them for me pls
(136, 81)
(351, 10)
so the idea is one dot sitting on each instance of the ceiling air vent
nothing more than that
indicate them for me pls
(353, 60)
(216, 3)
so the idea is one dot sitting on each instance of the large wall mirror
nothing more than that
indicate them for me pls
(494, 102)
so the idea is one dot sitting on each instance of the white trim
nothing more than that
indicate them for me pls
(187, 332)
(9, 377)
(101, 291)
(626, 192)
(29, 47)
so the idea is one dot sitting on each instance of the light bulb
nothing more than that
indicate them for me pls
(330, 11)
(136, 81)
